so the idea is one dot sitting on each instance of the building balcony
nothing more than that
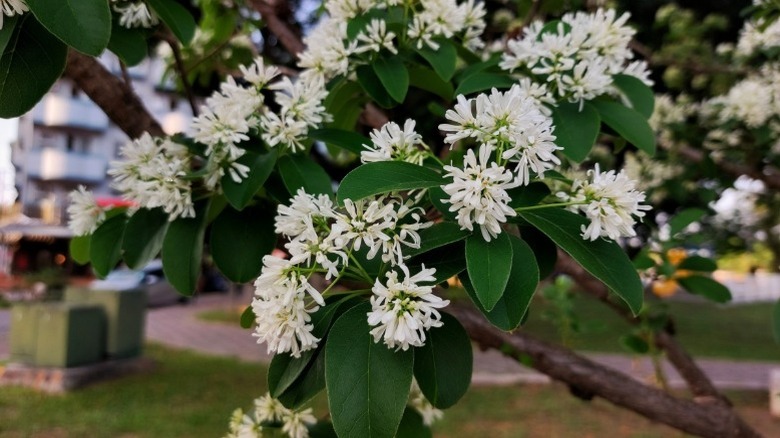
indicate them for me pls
(66, 112)
(54, 165)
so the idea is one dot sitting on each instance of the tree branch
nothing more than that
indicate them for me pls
(289, 39)
(768, 175)
(707, 420)
(112, 95)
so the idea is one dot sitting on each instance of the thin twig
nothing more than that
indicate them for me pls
(174, 44)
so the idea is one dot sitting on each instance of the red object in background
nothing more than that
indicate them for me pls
(114, 202)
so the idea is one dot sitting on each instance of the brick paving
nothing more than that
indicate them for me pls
(179, 327)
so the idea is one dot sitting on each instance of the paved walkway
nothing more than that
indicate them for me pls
(178, 326)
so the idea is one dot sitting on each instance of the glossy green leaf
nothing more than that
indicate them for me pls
(643, 261)
(347, 140)
(247, 318)
(182, 250)
(604, 259)
(393, 75)
(482, 81)
(239, 195)
(9, 24)
(448, 261)
(301, 172)
(697, 263)
(443, 366)
(525, 196)
(685, 218)
(240, 239)
(640, 95)
(310, 383)
(438, 198)
(489, 265)
(144, 236)
(426, 79)
(576, 130)
(413, 426)
(84, 25)
(510, 310)
(32, 61)
(443, 60)
(634, 344)
(368, 383)
(79, 248)
(437, 235)
(706, 287)
(627, 122)
(372, 85)
(544, 249)
(386, 176)
(176, 17)
(105, 249)
(128, 44)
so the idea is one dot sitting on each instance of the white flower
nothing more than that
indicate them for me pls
(280, 279)
(258, 74)
(375, 37)
(269, 409)
(304, 211)
(478, 193)
(85, 214)
(9, 8)
(390, 143)
(327, 50)
(609, 201)
(401, 311)
(294, 423)
(425, 408)
(369, 221)
(133, 14)
(152, 176)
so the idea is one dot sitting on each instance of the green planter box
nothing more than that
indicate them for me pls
(24, 333)
(69, 334)
(125, 315)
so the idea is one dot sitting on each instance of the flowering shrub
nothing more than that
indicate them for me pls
(351, 304)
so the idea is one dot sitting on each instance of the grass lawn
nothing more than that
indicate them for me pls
(190, 395)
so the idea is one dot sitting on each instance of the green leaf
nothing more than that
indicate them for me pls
(627, 122)
(634, 344)
(393, 74)
(79, 249)
(368, 383)
(182, 250)
(32, 61)
(437, 235)
(106, 246)
(128, 44)
(484, 81)
(489, 265)
(301, 172)
(425, 79)
(9, 24)
(144, 236)
(443, 60)
(685, 218)
(448, 261)
(309, 383)
(347, 140)
(443, 365)
(323, 429)
(776, 321)
(642, 261)
(260, 167)
(386, 176)
(526, 196)
(511, 309)
(604, 259)
(697, 263)
(437, 197)
(706, 287)
(639, 94)
(544, 249)
(240, 239)
(372, 85)
(176, 17)
(413, 426)
(576, 130)
(84, 25)
(247, 318)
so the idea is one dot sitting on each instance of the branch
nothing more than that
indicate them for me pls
(699, 383)
(112, 95)
(289, 39)
(173, 43)
(566, 366)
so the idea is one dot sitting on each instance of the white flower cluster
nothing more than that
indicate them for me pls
(425, 408)
(134, 13)
(301, 108)
(9, 8)
(756, 36)
(151, 175)
(84, 213)
(391, 143)
(515, 139)
(322, 238)
(270, 412)
(577, 59)
(650, 174)
(328, 49)
(753, 101)
(609, 201)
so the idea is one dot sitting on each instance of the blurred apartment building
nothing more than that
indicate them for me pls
(67, 141)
